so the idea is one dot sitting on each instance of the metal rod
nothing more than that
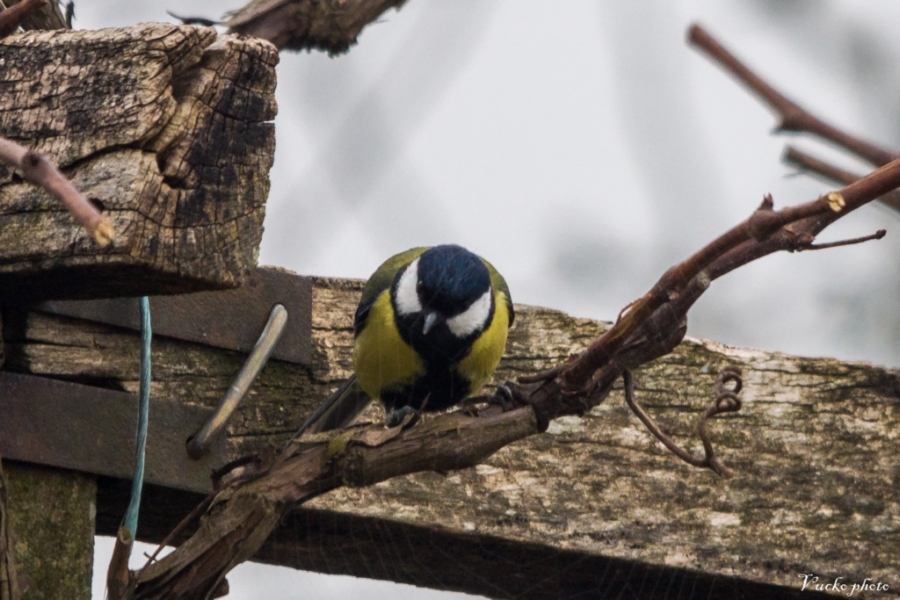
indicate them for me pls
(198, 444)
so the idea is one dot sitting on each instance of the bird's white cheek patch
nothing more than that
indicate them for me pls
(406, 296)
(473, 319)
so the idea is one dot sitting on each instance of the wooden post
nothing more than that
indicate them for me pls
(51, 514)
(9, 579)
(168, 131)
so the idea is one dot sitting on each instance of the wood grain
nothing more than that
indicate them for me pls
(166, 129)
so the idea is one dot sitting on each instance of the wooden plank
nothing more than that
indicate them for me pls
(814, 451)
(85, 428)
(167, 129)
(230, 319)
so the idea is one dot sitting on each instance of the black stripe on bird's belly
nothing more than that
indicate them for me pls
(441, 351)
(443, 388)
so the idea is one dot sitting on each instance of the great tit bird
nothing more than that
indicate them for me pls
(429, 332)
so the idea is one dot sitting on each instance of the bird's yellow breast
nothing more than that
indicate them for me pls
(481, 362)
(382, 360)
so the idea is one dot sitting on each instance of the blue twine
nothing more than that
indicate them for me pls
(137, 484)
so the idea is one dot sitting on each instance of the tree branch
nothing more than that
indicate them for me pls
(848, 242)
(243, 516)
(792, 116)
(246, 511)
(15, 15)
(41, 172)
(764, 232)
(330, 25)
(808, 163)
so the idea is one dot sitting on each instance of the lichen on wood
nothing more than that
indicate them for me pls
(52, 513)
(167, 129)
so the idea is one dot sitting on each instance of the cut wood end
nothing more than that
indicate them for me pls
(104, 232)
(836, 201)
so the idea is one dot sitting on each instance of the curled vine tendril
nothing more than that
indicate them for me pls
(728, 386)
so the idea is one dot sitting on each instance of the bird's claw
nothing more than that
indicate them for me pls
(507, 397)
(397, 416)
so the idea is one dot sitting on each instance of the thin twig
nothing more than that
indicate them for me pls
(12, 17)
(40, 171)
(859, 240)
(180, 527)
(811, 164)
(807, 162)
(793, 116)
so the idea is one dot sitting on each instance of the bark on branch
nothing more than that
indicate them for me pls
(40, 171)
(329, 25)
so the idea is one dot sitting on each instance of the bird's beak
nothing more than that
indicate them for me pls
(432, 318)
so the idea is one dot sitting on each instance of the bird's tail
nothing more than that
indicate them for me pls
(339, 410)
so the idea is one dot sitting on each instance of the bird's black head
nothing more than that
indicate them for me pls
(442, 299)
(450, 279)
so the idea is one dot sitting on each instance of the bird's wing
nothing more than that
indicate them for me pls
(381, 279)
(499, 284)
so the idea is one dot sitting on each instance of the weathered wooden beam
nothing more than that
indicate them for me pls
(55, 423)
(166, 129)
(813, 450)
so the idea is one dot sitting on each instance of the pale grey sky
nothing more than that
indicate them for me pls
(582, 148)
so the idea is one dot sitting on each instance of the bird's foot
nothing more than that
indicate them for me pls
(397, 416)
(507, 397)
